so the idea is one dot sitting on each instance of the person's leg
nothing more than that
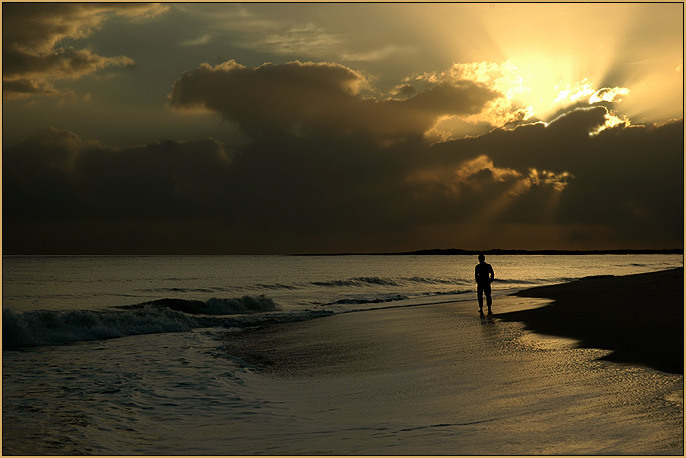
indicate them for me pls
(489, 300)
(480, 296)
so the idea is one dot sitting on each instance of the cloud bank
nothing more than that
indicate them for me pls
(322, 98)
(535, 186)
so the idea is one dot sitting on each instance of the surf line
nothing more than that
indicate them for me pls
(503, 293)
(447, 425)
(400, 306)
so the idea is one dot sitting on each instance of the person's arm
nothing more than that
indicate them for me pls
(492, 274)
(476, 274)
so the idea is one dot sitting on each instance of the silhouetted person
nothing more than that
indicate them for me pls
(483, 274)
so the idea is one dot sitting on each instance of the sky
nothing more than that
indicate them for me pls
(281, 128)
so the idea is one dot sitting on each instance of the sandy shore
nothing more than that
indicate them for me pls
(439, 379)
(639, 317)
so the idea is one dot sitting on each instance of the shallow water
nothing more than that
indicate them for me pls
(493, 389)
(294, 282)
(153, 391)
(140, 394)
(439, 380)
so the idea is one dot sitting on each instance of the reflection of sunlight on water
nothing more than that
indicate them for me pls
(547, 342)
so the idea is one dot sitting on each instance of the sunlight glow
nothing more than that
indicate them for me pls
(582, 90)
(474, 166)
(608, 94)
(558, 181)
(546, 85)
(522, 186)
(611, 120)
(532, 87)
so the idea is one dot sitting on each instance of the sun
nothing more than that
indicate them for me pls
(531, 87)
(545, 84)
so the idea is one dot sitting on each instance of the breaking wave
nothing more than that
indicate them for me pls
(47, 327)
(214, 306)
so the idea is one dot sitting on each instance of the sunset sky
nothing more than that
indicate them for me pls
(224, 128)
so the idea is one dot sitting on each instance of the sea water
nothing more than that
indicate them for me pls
(125, 354)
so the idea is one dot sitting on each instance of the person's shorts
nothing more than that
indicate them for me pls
(480, 289)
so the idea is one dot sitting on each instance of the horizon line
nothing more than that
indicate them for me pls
(422, 252)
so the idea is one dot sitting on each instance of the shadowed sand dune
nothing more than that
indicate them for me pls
(639, 317)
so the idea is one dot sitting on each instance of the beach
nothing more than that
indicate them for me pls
(355, 355)
(440, 379)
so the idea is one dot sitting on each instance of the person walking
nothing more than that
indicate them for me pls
(483, 274)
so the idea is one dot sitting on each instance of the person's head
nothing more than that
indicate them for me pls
(482, 258)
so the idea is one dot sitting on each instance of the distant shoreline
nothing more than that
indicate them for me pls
(432, 252)
(458, 252)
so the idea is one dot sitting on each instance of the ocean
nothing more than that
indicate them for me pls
(132, 355)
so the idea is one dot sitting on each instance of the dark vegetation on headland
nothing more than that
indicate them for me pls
(457, 252)
(639, 317)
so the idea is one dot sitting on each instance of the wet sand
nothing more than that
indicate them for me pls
(640, 318)
(439, 379)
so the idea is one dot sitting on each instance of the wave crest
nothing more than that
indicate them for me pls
(214, 306)
(47, 327)
(44, 327)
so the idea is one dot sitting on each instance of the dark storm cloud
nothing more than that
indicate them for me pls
(33, 56)
(628, 177)
(55, 174)
(307, 98)
(282, 192)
